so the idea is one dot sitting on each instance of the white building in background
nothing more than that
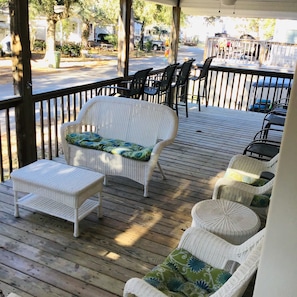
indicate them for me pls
(285, 53)
(285, 31)
(4, 23)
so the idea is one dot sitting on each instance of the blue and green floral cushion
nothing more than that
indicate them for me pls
(109, 145)
(182, 274)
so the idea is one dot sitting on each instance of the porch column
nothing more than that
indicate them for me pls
(22, 81)
(174, 38)
(277, 270)
(124, 37)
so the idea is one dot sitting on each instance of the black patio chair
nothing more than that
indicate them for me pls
(202, 77)
(180, 86)
(275, 117)
(262, 147)
(162, 87)
(134, 88)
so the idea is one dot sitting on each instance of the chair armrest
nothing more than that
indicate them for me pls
(248, 164)
(112, 88)
(262, 135)
(70, 127)
(239, 191)
(237, 284)
(139, 287)
(214, 250)
(65, 129)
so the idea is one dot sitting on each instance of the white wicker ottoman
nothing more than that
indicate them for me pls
(230, 220)
(59, 190)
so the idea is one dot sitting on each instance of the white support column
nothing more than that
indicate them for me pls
(278, 269)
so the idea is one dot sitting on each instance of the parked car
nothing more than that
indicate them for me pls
(247, 36)
(156, 44)
(261, 105)
(103, 38)
(6, 46)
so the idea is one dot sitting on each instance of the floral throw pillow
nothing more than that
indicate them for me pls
(182, 274)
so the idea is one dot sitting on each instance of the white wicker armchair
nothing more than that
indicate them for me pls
(245, 171)
(251, 166)
(218, 253)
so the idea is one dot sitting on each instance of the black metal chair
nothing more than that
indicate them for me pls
(264, 148)
(134, 88)
(180, 87)
(162, 87)
(275, 117)
(202, 77)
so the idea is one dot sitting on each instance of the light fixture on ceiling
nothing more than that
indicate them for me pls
(228, 2)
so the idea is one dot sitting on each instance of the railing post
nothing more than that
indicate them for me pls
(22, 81)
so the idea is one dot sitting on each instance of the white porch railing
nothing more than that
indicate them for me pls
(266, 54)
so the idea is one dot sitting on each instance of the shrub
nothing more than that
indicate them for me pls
(69, 49)
(39, 45)
(148, 45)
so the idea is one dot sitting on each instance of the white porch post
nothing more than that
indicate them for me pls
(278, 269)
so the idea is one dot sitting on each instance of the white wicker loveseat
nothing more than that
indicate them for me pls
(126, 122)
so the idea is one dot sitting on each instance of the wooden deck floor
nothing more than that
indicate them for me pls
(40, 257)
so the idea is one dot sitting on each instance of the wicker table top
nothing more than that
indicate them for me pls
(230, 220)
(56, 181)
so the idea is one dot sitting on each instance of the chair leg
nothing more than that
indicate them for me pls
(161, 170)
(176, 102)
(198, 97)
(205, 94)
(186, 102)
(185, 98)
(193, 90)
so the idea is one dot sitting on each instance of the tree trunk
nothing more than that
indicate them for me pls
(50, 40)
(124, 37)
(174, 35)
(85, 34)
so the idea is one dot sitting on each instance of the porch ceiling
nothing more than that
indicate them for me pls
(284, 9)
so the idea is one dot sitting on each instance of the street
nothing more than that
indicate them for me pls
(62, 78)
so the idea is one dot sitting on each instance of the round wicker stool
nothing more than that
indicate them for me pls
(230, 220)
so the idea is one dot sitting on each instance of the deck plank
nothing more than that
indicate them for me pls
(40, 257)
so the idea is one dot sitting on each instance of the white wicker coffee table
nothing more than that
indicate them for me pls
(59, 190)
(230, 220)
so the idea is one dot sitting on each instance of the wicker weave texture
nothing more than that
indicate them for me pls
(232, 221)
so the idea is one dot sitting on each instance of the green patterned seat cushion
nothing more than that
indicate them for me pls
(261, 200)
(114, 146)
(259, 182)
(182, 274)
